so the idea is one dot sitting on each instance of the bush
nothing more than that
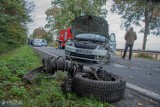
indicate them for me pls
(4, 47)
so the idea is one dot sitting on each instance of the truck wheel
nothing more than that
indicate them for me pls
(107, 91)
(63, 47)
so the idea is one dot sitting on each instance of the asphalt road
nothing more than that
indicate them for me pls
(139, 72)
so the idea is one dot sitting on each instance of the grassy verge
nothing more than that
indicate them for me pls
(43, 92)
(136, 55)
(144, 56)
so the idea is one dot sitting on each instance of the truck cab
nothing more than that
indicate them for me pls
(63, 37)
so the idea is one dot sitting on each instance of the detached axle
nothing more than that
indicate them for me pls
(89, 82)
(52, 65)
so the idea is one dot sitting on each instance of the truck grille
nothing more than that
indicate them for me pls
(85, 46)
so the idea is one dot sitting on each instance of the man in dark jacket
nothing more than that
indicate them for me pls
(130, 37)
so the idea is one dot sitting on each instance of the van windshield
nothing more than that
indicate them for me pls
(91, 37)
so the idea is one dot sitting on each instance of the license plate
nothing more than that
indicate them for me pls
(83, 52)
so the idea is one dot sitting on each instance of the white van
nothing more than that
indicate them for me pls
(39, 42)
(91, 39)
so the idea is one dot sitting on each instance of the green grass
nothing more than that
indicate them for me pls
(42, 92)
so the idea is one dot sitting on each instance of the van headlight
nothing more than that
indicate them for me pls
(69, 43)
(101, 47)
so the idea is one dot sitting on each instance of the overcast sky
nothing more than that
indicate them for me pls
(38, 15)
(39, 20)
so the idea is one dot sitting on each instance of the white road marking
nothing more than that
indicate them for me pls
(46, 52)
(140, 90)
(144, 92)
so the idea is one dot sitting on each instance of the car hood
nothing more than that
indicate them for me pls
(91, 25)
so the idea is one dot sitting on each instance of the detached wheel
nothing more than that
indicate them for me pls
(107, 91)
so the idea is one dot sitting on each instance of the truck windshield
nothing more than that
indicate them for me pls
(91, 37)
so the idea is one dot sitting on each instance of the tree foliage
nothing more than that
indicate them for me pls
(42, 33)
(39, 33)
(14, 15)
(134, 12)
(63, 12)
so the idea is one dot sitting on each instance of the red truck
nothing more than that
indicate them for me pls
(63, 37)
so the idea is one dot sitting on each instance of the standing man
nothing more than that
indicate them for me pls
(130, 37)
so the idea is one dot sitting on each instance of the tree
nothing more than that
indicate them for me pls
(63, 12)
(137, 11)
(42, 33)
(50, 37)
(14, 16)
(39, 33)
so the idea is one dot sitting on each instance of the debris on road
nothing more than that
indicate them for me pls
(140, 104)
(85, 82)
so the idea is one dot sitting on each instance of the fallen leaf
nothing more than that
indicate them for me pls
(151, 101)
(140, 104)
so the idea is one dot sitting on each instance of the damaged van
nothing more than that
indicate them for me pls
(91, 39)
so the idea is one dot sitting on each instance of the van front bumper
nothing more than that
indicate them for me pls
(86, 54)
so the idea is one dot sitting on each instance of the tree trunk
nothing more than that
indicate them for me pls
(146, 26)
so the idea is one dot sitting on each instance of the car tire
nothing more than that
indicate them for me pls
(107, 91)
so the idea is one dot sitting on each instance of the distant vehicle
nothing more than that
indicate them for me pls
(91, 40)
(37, 42)
(64, 36)
(30, 41)
(43, 42)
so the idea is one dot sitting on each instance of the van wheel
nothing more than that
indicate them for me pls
(107, 91)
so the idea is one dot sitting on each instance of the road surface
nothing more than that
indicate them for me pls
(139, 72)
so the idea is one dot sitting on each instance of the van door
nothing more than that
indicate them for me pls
(113, 43)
